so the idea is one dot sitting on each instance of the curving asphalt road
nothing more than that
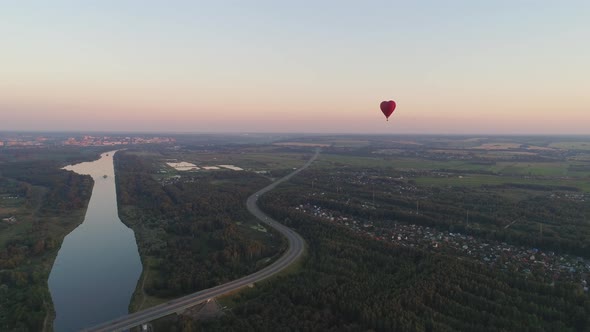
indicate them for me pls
(295, 250)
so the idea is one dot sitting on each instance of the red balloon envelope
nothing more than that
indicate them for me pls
(387, 107)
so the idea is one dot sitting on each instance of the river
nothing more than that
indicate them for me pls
(98, 265)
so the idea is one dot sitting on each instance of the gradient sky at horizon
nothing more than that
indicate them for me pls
(457, 66)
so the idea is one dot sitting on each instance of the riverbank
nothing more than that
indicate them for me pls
(72, 221)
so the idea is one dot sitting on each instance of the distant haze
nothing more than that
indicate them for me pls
(463, 66)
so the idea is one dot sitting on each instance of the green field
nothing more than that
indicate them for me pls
(23, 210)
(8, 232)
(531, 168)
(479, 180)
(329, 160)
(571, 145)
(509, 168)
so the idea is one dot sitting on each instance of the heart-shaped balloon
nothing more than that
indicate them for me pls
(387, 107)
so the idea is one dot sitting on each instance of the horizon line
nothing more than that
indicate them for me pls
(138, 132)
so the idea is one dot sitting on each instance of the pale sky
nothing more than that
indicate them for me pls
(519, 67)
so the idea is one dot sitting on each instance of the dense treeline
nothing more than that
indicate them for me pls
(54, 201)
(67, 190)
(351, 283)
(63, 155)
(189, 232)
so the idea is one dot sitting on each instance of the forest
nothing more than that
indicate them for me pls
(191, 235)
(352, 283)
(48, 203)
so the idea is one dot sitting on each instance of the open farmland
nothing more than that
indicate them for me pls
(571, 145)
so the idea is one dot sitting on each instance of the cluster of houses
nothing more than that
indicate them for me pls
(576, 197)
(18, 140)
(88, 140)
(529, 261)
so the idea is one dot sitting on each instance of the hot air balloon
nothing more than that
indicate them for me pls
(387, 107)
